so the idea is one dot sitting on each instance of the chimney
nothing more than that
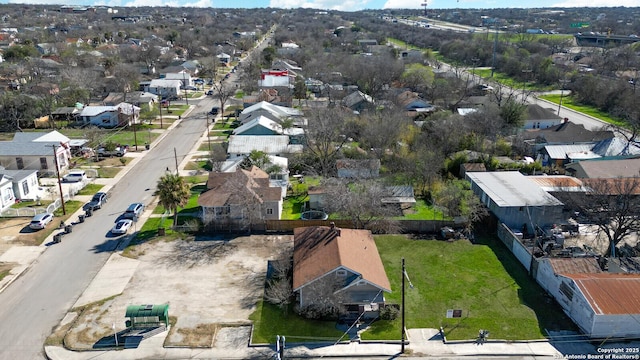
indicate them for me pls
(334, 228)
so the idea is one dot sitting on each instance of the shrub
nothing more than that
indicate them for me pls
(389, 312)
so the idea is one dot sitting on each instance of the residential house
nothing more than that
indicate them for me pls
(360, 169)
(515, 200)
(269, 110)
(358, 101)
(276, 78)
(35, 151)
(277, 168)
(538, 117)
(262, 125)
(224, 59)
(183, 76)
(7, 197)
(278, 145)
(559, 155)
(290, 65)
(164, 87)
(413, 105)
(288, 48)
(123, 114)
(67, 113)
(605, 168)
(137, 98)
(24, 183)
(566, 133)
(327, 257)
(241, 198)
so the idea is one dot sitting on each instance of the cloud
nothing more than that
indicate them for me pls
(402, 4)
(596, 3)
(342, 5)
(172, 3)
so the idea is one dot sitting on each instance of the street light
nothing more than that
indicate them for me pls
(562, 82)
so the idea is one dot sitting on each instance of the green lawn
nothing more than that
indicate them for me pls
(90, 189)
(192, 204)
(567, 101)
(108, 172)
(423, 212)
(269, 321)
(485, 281)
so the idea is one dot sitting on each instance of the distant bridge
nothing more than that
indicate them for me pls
(604, 40)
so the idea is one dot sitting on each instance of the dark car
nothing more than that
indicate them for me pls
(97, 201)
(209, 92)
(214, 110)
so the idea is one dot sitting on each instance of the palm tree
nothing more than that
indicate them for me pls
(173, 193)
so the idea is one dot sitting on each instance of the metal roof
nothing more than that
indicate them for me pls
(610, 294)
(561, 151)
(161, 311)
(270, 144)
(511, 188)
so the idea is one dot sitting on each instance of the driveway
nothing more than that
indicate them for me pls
(209, 284)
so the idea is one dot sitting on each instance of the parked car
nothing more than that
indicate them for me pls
(133, 211)
(40, 221)
(209, 92)
(214, 110)
(122, 226)
(188, 87)
(118, 151)
(96, 202)
(75, 176)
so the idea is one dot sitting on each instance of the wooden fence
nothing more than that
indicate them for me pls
(406, 226)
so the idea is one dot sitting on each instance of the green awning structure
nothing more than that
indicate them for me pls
(147, 315)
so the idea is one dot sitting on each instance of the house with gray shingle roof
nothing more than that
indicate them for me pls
(34, 151)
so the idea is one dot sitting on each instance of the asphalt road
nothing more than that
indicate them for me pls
(36, 302)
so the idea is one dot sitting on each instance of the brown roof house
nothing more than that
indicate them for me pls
(330, 261)
(239, 200)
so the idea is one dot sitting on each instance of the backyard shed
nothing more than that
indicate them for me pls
(147, 315)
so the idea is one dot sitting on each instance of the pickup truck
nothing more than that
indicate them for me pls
(118, 151)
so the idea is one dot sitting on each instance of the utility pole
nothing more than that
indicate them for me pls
(175, 156)
(562, 82)
(495, 45)
(161, 111)
(184, 82)
(55, 160)
(133, 118)
(403, 312)
(208, 134)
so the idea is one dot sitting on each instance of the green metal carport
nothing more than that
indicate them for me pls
(147, 315)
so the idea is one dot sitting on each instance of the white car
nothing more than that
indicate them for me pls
(40, 221)
(122, 226)
(75, 176)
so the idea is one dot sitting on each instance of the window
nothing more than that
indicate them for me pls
(43, 163)
(25, 187)
(19, 163)
(7, 195)
(341, 273)
(269, 211)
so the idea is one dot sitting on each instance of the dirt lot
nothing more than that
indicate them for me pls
(209, 285)
(15, 231)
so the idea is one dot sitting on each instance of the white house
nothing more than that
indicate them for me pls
(7, 198)
(273, 112)
(275, 78)
(35, 151)
(164, 87)
(184, 77)
(24, 183)
(278, 145)
(538, 117)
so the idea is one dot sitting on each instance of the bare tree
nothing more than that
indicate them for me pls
(361, 202)
(325, 133)
(327, 301)
(613, 205)
(224, 92)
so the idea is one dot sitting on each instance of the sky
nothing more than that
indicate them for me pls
(345, 5)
